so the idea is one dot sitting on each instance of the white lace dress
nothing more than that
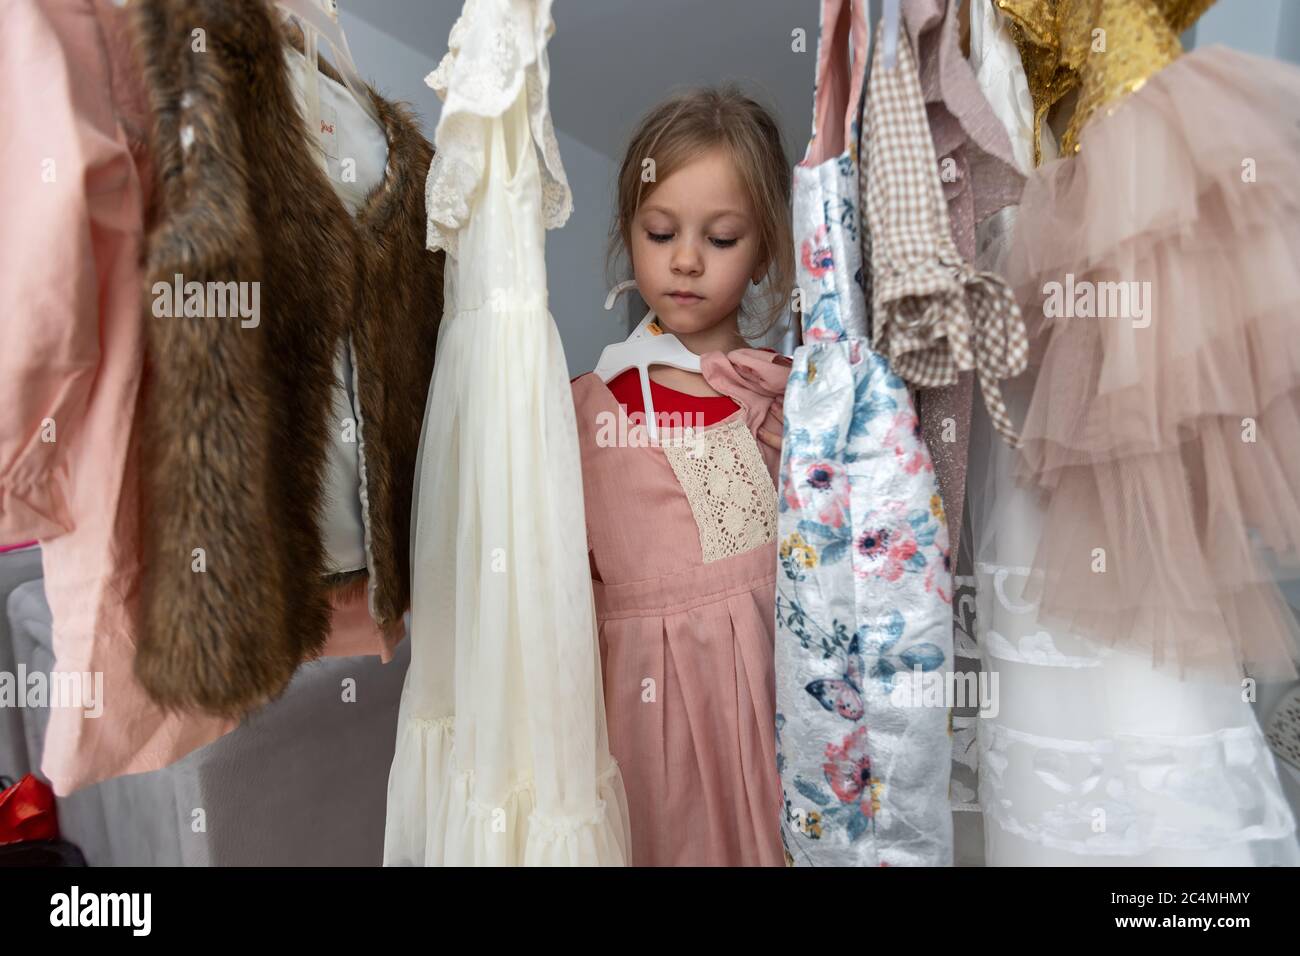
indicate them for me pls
(1089, 756)
(502, 756)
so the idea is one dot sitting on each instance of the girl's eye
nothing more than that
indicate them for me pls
(662, 237)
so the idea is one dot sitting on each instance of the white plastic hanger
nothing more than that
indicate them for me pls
(320, 18)
(640, 350)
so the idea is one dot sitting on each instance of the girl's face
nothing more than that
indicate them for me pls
(695, 245)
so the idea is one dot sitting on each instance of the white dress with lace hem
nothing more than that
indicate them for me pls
(502, 756)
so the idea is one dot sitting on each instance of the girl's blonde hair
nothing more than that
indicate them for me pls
(680, 129)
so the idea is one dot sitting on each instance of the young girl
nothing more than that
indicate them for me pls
(681, 534)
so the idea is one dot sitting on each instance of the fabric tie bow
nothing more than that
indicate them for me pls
(933, 315)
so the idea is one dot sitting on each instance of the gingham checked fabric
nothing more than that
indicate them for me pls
(933, 315)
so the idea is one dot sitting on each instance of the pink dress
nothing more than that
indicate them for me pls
(682, 545)
(73, 328)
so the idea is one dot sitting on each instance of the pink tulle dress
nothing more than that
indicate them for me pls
(1162, 264)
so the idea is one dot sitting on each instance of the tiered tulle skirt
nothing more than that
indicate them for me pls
(1162, 264)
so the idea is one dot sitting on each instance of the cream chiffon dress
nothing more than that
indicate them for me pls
(502, 756)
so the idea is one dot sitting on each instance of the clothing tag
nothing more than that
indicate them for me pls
(329, 138)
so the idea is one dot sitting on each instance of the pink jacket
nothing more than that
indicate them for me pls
(73, 188)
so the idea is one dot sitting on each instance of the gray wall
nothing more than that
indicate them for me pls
(1264, 27)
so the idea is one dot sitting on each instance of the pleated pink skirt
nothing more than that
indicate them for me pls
(690, 701)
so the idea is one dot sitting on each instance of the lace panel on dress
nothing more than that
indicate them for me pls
(729, 488)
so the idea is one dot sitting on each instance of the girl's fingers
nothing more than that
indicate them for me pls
(770, 438)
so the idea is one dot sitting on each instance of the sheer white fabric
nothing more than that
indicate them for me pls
(1091, 756)
(502, 755)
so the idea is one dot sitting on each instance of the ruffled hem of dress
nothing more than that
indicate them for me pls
(1226, 777)
(1162, 157)
(1167, 435)
(435, 818)
(478, 79)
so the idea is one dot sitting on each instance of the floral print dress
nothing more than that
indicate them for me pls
(864, 585)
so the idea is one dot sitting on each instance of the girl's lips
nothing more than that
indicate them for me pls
(683, 299)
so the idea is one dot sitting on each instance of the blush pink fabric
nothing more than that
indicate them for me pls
(699, 761)
(74, 191)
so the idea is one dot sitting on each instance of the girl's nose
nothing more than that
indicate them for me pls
(686, 259)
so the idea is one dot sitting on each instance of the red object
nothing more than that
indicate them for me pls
(627, 389)
(28, 812)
